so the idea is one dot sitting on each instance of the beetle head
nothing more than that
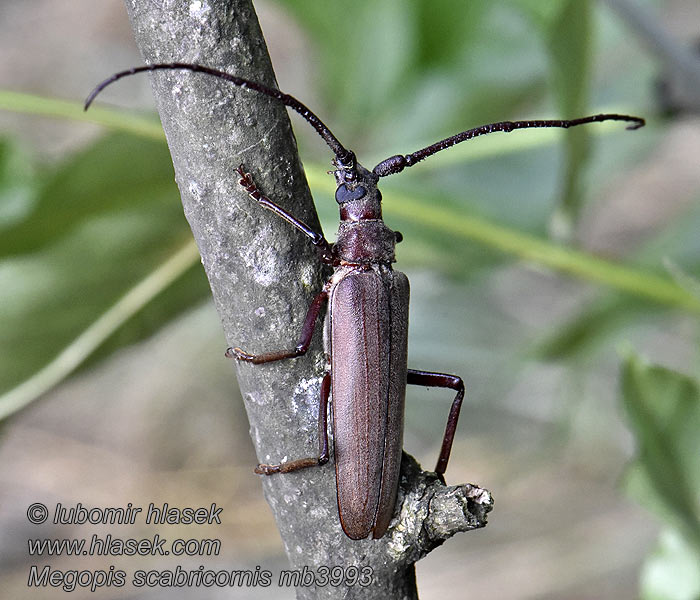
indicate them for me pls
(357, 193)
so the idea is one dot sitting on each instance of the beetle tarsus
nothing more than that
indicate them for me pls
(260, 359)
(323, 450)
(307, 332)
(290, 467)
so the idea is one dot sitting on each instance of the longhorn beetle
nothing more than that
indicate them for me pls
(366, 322)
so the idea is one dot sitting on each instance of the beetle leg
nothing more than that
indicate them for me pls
(428, 379)
(307, 332)
(324, 247)
(323, 453)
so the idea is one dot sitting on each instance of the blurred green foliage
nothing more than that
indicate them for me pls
(395, 76)
(663, 409)
(77, 240)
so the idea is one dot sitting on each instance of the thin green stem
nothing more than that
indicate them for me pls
(73, 355)
(496, 145)
(69, 109)
(585, 266)
(628, 279)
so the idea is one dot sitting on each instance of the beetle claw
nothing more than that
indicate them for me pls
(263, 469)
(239, 354)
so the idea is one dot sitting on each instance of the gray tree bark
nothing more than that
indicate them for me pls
(263, 275)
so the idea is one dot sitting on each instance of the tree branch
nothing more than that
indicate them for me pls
(263, 275)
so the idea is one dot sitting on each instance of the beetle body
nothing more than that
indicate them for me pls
(367, 321)
(366, 339)
(368, 314)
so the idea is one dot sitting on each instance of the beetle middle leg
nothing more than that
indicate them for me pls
(307, 332)
(428, 379)
(323, 453)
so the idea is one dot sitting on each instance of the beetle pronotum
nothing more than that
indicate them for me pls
(366, 323)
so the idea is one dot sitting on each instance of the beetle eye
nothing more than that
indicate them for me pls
(399, 236)
(343, 194)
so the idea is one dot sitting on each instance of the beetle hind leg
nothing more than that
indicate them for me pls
(323, 452)
(442, 380)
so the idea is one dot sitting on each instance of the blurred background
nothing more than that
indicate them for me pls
(559, 278)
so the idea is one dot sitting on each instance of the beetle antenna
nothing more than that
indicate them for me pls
(345, 157)
(396, 164)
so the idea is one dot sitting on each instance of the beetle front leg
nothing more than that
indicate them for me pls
(307, 332)
(325, 248)
(428, 379)
(323, 453)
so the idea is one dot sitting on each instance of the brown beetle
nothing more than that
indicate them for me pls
(367, 321)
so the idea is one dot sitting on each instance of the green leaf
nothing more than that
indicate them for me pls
(106, 224)
(380, 54)
(541, 13)
(663, 409)
(80, 350)
(570, 51)
(591, 329)
(439, 61)
(607, 321)
(683, 278)
(570, 44)
(117, 174)
(450, 30)
(18, 184)
(672, 570)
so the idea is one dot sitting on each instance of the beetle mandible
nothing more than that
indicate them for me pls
(366, 323)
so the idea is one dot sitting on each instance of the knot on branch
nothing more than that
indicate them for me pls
(432, 512)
